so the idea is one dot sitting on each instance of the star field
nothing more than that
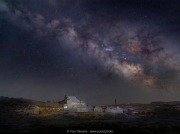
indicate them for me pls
(102, 50)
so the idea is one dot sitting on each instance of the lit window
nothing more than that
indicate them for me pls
(65, 107)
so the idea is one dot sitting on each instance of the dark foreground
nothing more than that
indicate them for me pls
(163, 120)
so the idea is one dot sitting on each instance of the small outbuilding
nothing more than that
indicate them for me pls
(98, 109)
(115, 110)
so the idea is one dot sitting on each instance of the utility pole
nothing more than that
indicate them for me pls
(115, 101)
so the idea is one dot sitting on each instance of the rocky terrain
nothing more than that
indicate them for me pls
(18, 115)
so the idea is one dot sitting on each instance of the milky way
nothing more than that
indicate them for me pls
(101, 49)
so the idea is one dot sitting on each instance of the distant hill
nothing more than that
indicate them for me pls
(13, 102)
(165, 103)
(6, 101)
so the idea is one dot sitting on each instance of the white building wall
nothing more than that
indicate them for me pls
(98, 109)
(75, 105)
(115, 110)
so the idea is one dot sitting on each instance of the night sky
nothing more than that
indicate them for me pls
(97, 50)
